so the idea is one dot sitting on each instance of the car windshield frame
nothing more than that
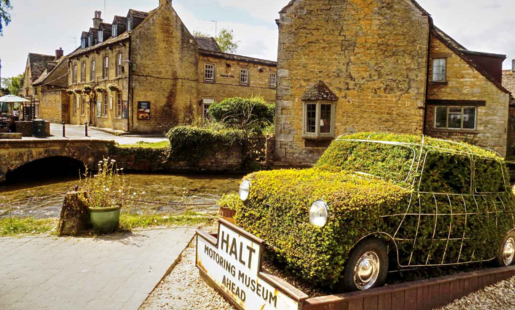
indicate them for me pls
(391, 143)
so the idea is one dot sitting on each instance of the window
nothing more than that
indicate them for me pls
(456, 118)
(120, 65)
(446, 173)
(440, 70)
(75, 106)
(99, 108)
(90, 43)
(100, 36)
(105, 104)
(82, 108)
(106, 67)
(119, 105)
(129, 24)
(319, 120)
(206, 103)
(209, 73)
(83, 72)
(83, 43)
(273, 80)
(93, 70)
(74, 74)
(244, 77)
(115, 31)
(489, 176)
(35, 91)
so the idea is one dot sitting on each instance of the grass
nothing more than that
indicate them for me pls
(31, 226)
(147, 145)
(23, 226)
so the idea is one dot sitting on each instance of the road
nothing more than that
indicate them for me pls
(78, 132)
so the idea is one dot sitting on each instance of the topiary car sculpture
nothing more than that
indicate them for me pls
(376, 199)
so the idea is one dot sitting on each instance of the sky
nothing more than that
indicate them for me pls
(44, 26)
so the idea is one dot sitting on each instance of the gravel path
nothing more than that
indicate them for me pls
(499, 296)
(183, 289)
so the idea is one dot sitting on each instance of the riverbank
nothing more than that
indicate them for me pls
(10, 227)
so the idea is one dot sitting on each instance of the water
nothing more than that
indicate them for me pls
(171, 194)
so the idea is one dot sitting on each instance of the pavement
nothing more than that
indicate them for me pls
(78, 132)
(114, 272)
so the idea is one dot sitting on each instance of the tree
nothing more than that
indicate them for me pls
(5, 16)
(225, 40)
(13, 84)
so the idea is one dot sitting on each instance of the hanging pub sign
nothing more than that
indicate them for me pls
(232, 264)
(143, 110)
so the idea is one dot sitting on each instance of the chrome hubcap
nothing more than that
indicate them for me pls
(366, 271)
(508, 253)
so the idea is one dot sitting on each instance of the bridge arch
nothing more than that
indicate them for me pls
(15, 153)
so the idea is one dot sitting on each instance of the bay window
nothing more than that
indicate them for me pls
(319, 118)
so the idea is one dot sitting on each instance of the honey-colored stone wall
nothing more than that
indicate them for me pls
(53, 106)
(166, 76)
(371, 53)
(466, 83)
(227, 79)
(111, 120)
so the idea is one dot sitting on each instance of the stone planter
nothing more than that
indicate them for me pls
(227, 213)
(105, 220)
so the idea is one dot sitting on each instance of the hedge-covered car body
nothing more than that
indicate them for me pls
(436, 202)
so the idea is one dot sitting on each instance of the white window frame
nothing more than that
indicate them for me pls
(206, 103)
(119, 70)
(462, 117)
(100, 36)
(104, 106)
(76, 105)
(317, 134)
(92, 70)
(90, 40)
(82, 106)
(273, 80)
(129, 24)
(74, 73)
(115, 30)
(83, 43)
(244, 77)
(105, 73)
(437, 65)
(119, 105)
(83, 67)
(209, 68)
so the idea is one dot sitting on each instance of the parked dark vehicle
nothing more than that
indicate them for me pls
(375, 202)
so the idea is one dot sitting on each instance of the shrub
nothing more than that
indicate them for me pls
(374, 188)
(251, 114)
(230, 201)
(192, 144)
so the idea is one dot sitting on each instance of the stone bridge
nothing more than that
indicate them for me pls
(16, 153)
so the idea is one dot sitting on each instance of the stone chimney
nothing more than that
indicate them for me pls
(97, 20)
(163, 2)
(59, 53)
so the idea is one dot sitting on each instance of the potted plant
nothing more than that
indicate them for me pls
(69, 92)
(78, 91)
(105, 194)
(87, 89)
(100, 89)
(113, 87)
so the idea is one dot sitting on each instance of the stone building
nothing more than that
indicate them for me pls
(145, 72)
(351, 66)
(508, 81)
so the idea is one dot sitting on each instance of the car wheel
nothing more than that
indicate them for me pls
(366, 268)
(506, 255)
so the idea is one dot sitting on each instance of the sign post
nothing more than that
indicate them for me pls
(232, 264)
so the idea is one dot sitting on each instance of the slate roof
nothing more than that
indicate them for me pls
(208, 44)
(138, 14)
(120, 20)
(319, 91)
(47, 72)
(38, 64)
(107, 42)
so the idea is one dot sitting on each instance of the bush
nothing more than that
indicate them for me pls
(229, 201)
(244, 113)
(192, 144)
(374, 189)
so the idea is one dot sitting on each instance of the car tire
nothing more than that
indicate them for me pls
(506, 254)
(366, 267)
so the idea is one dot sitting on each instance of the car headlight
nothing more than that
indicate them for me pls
(244, 190)
(319, 213)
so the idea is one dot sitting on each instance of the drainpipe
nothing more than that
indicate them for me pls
(431, 25)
